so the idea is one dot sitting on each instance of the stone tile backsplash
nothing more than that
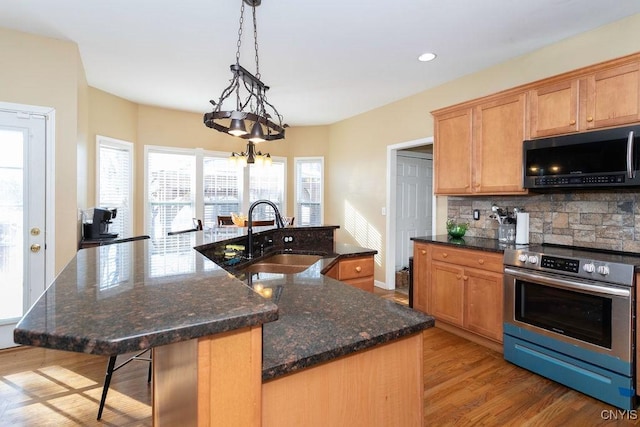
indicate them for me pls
(603, 219)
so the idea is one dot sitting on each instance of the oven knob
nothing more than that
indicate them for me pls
(533, 259)
(589, 268)
(522, 257)
(603, 269)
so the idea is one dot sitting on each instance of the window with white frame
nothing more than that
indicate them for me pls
(222, 189)
(176, 196)
(267, 182)
(114, 181)
(171, 191)
(309, 190)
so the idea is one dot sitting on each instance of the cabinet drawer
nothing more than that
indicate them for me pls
(468, 258)
(364, 283)
(353, 268)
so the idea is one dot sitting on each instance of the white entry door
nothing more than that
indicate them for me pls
(22, 216)
(413, 202)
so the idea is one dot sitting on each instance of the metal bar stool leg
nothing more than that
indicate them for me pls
(111, 368)
(150, 366)
(107, 381)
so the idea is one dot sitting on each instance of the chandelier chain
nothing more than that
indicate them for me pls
(240, 33)
(255, 39)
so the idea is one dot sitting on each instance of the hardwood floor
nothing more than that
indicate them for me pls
(465, 385)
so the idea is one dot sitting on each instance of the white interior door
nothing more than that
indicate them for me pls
(22, 216)
(413, 202)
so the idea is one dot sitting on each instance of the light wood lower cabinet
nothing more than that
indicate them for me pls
(421, 267)
(464, 287)
(355, 271)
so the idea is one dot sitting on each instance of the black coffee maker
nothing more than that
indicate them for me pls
(98, 228)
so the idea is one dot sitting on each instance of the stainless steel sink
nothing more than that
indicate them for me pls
(283, 264)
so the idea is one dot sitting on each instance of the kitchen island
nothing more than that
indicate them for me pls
(224, 354)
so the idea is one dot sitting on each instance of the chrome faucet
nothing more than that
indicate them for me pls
(279, 223)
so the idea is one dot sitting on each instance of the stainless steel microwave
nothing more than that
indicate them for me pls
(604, 158)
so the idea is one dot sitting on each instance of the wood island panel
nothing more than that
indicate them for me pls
(379, 387)
(209, 382)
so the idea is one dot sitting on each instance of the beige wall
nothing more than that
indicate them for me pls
(45, 72)
(356, 165)
(109, 116)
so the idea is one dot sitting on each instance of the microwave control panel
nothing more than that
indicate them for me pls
(580, 179)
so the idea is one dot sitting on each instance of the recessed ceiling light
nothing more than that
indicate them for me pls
(426, 57)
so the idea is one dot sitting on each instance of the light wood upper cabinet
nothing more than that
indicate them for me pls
(613, 97)
(497, 150)
(605, 98)
(553, 109)
(452, 151)
(478, 149)
(478, 144)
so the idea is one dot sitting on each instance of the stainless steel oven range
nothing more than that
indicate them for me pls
(569, 316)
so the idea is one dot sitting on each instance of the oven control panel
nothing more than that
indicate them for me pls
(560, 264)
(596, 268)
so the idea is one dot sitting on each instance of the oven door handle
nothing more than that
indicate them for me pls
(568, 284)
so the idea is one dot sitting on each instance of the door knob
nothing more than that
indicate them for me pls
(35, 231)
(35, 248)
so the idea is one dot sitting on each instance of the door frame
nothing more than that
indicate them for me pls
(50, 207)
(390, 247)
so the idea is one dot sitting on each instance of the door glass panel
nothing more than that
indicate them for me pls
(11, 225)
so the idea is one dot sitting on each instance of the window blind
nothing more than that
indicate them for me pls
(222, 185)
(267, 182)
(170, 194)
(114, 190)
(309, 191)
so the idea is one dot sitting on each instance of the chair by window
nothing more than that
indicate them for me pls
(224, 220)
(265, 222)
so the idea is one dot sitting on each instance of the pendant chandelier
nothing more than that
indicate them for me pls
(251, 110)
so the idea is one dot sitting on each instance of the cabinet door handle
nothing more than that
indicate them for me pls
(444, 254)
(423, 252)
(589, 119)
(358, 269)
(465, 277)
(481, 261)
(458, 276)
(572, 122)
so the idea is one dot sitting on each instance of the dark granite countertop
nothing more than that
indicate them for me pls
(322, 319)
(125, 297)
(479, 243)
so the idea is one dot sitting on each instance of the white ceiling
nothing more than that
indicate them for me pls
(325, 60)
